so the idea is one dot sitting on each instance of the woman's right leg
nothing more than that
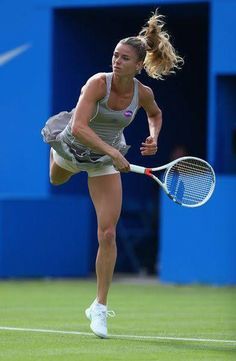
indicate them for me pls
(106, 194)
(58, 175)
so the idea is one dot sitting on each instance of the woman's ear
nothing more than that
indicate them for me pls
(140, 64)
(139, 67)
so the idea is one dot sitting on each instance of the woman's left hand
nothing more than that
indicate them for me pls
(149, 147)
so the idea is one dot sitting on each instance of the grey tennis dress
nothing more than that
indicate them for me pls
(108, 124)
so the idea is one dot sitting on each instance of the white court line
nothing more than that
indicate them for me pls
(135, 337)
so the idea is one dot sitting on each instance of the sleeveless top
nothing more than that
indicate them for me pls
(108, 124)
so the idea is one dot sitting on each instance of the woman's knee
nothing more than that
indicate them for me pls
(56, 181)
(107, 236)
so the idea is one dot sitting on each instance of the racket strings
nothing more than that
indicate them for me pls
(190, 181)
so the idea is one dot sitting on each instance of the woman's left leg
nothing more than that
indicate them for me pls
(106, 194)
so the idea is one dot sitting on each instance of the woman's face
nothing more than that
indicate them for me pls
(125, 61)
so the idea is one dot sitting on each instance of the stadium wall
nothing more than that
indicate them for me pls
(31, 90)
(199, 245)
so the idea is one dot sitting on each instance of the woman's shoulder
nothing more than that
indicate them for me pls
(145, 92)
(98, 78)
(96, 83)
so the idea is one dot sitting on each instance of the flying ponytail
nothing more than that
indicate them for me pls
(161, 58)
(154, 48)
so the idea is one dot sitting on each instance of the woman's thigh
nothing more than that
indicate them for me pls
(106, 194)
(58, 175)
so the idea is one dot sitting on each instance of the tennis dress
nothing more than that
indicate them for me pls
(108, 124)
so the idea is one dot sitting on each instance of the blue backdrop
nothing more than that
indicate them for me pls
(49, 49)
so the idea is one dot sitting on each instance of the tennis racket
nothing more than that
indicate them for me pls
(188, 181)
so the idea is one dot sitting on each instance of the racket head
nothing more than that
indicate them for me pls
(190, 181)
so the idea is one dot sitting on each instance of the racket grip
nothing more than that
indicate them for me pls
(137, 169)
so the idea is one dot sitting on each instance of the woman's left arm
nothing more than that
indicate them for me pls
(154, 116)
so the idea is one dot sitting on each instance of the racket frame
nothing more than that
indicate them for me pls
(148, 171)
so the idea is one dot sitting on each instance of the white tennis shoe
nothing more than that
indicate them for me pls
(97, 314)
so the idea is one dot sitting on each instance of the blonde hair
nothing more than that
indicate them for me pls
(153, 47)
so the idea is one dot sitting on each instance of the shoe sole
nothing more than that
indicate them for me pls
(87, 314)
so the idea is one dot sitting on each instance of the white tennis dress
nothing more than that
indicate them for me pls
(108, 124)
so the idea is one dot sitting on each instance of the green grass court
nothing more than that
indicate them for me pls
(146, 310)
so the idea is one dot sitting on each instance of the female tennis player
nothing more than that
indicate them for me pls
(90, 138)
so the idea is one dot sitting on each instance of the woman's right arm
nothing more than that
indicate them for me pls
(93, 91)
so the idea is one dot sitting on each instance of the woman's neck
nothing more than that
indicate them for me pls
(122, 84)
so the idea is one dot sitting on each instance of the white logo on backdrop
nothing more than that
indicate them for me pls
(11, 54)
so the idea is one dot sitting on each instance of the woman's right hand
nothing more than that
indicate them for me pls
(119, 162)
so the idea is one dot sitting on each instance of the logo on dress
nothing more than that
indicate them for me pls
(128, 113)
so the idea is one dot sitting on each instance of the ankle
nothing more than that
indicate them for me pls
(101, 301)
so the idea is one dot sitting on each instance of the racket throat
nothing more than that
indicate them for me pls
(148, 172)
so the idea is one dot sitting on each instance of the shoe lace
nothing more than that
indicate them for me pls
(110, 313)
(102, 315)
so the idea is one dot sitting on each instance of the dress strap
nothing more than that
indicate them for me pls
(108, 82)
(135, 101)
